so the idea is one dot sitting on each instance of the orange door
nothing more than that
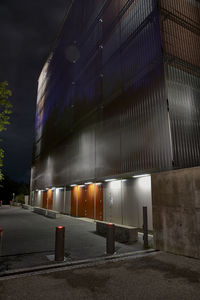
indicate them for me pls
(44, 200)
(50, 199)
(73, 200)
(99, 202)
(89, 201)
(81, 201)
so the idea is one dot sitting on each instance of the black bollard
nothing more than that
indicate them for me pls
(145, 227)
(60, 243)
(110, 241)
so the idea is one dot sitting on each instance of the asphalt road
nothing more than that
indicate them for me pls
(159, 276)
(28, 238)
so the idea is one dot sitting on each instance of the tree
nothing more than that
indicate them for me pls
(5, 111)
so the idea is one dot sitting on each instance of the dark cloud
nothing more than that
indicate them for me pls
(28, 29)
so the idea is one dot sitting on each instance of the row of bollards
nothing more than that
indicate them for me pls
(110, 238)
(60, 241)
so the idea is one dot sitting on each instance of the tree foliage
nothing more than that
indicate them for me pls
(5, 112)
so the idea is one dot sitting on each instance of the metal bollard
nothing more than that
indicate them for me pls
(1, 239)
(145, 227)
(110, 240)
(60, 243)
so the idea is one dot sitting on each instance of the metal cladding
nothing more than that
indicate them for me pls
(118, 94)
(181, 43)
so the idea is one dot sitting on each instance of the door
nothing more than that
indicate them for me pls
(89, 201)
(81, 201)
(99, 202)
(50, 199)
(73, 200)
(44, 200)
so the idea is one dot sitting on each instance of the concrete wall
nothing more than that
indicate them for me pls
(176, 211)
(123, 201)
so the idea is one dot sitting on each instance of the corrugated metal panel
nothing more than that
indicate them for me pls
(136, 193)
(58, 200)
(68, 202)
(181, 34)
(181, 43)
(184, 108)
(107, 114)
(124, 201)
(144, 126)
(112, 205)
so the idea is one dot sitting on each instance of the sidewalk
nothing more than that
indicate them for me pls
(29, 238)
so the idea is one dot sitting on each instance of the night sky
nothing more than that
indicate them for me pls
(28, 30)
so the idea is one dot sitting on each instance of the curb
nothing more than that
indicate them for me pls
(63, 266)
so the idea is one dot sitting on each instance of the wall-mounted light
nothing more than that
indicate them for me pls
(142, 175)
(109, 180)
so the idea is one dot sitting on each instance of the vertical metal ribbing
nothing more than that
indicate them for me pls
(181, 41)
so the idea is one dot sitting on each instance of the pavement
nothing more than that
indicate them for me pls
(157, 276)
(88, 273)
(29, 239)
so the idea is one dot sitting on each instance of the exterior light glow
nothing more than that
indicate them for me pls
(82, 185)
(142, 175)
(60, 227)
(88, 182)
(98, 183)
(108, 180)
(73, 185)
(53, 188)
(46, 189)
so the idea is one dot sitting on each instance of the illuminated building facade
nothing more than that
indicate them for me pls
(117, 98)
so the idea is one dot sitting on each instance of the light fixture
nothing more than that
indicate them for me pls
(88, 182)
(98, 183)
(108, 180)
(81, 185)
(142, 175)
(72, 185)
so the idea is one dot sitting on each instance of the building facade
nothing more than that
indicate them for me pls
(118, 100)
